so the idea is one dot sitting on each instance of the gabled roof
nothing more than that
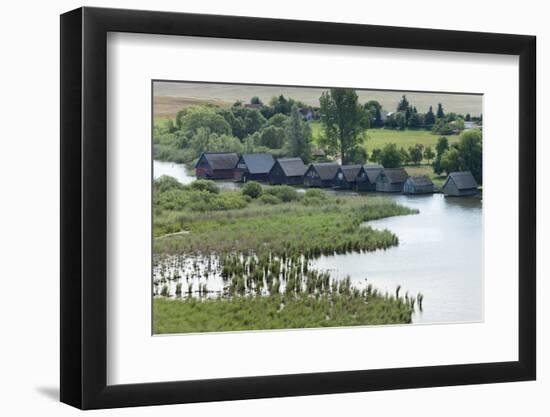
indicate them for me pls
(421, 181)
(351, 171)
(373, 171)
(220, 160)
(292, 167)
(463, 180)
(395, 175)
(326, 170)
(258, 163)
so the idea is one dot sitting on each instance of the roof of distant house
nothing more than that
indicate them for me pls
(373, 171)
(421, 180)
(463, 180)
(351, 171)
(396, 175)
(326, 170)
(292, 167)
(258, 163)
(221, 160)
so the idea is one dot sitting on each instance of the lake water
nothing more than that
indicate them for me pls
(440, 254)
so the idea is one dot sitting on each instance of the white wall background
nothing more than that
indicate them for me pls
(29, 219)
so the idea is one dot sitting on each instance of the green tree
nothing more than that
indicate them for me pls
(440, 148)
(403, 104)
(440, 112)
(378, 122)
(416, 153)
(450, 161)
(429, 154)
(299, 136)
(376, 156)
(390, 157)
(400, 120)
(189, 120)
(252, 189)
(415, 120)
(442, 127)
(358, 155)
(255, 100)
(471, 153)
(344, 121)
(405, 156)
(273, 137)
(429, 119)
(277, 120)
(468, 117)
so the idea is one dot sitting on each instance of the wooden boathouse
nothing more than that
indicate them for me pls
(254, 167)
(216, 165)
(391, 180)
(460, 184)
(288, 171)
(321, 174)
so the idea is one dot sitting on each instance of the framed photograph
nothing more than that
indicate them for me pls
(256, 208)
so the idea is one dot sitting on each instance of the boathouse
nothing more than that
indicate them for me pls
(421, 184)
(366, 180)
(346, 176)
(460, 184)
(321, 174)
(391, 180)
(254, 167)
(287, 171)
(216, 165)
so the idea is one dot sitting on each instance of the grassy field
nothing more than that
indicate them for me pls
(377, 138)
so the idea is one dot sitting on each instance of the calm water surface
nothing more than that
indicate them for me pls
(440, 254)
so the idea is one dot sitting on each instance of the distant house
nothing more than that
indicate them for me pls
(391, 180)
(216, 165)
(346, 176)
(469, 125)
(287, 171)
(366, 180)
(418, 185)
(254, 167)
(318, 154)
(459, 184)
(321, 174)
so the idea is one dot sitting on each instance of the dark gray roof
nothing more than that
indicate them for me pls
(464, 180)
(292, 167)
(421, 181)
(221, 160)
(373, 171)
(258, 163)
(351, 171)
(326, 170)
(396, 175)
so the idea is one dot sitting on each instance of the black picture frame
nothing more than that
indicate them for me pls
(84, 207)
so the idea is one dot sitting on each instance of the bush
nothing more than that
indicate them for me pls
(205, 185)
(284, 192)
(252, 189)
(315, 193)
(269, 199)
(167, 183)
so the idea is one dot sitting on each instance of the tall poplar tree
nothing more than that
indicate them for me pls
(344, 121)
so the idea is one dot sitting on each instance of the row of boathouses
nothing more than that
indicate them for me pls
(293, 171)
